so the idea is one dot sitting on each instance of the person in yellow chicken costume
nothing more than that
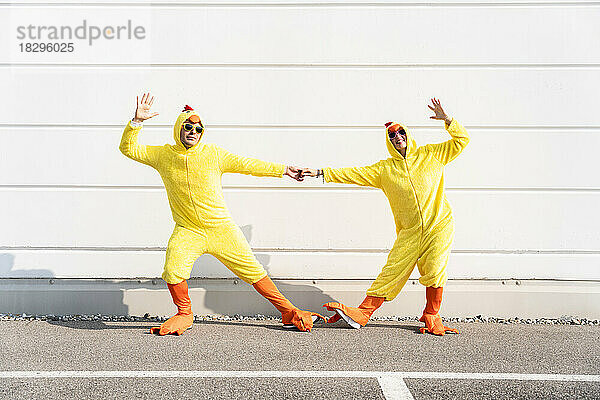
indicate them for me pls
(413, 181)
(191, 172)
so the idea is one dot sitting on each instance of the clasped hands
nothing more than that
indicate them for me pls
(299, 173)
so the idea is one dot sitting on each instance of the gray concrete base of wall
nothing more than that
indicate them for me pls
(462, 298)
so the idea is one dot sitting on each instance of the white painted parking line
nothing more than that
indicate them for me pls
(392, 383)
(501, 376)
(298, 374)
(394, 388)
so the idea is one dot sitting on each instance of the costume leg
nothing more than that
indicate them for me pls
(432, 266)
(184, 247)
(228, 244)
(290, 314)
(400, 263)
(184, 319)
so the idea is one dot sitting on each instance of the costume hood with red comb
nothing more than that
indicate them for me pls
(411, 144)
(188, 113)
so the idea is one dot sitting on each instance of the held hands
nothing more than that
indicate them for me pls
(298, 173)
(294, 173)
(142, 110)
(439, 111)
(311, 172)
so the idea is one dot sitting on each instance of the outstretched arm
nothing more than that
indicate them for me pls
(230, 162)
(363, 176)
(449, 150)
(129, 141)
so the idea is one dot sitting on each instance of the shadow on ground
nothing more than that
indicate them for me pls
(106, 325)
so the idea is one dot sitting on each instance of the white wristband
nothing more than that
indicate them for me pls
(135, 124)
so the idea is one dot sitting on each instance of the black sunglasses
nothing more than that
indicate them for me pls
(188, 127)
(392, 134)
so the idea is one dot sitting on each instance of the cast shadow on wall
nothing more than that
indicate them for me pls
(33, 291)
(7, 264)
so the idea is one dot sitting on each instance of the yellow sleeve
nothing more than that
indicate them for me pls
(131, 148)
(230, 162)
(364, 176)
(449, 150)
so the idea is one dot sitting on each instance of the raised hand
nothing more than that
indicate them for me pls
(294, 173)
(142, 109)
(438, 110)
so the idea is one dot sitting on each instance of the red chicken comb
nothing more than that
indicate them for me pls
(187, 108)
(387, 124)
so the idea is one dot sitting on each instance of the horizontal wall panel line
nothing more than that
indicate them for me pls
(281, 264)
(299, 188)
(303, 66)
(307, 127)
(306, 65)
(295, 250)
(284, 4)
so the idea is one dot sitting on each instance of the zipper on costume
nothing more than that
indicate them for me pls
(416, 197)
(187, 178)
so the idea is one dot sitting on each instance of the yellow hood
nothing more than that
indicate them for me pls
(411, 144)
(177, 128)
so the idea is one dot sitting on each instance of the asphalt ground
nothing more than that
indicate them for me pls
(324, 356)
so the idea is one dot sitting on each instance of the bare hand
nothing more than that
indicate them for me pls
(294, 173)
(142, 110)
(437, 109)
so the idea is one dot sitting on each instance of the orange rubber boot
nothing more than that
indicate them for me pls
(184, 319)
(303, 320)
(360, 314)
(433, 321)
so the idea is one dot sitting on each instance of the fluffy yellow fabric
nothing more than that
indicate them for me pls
(192, 178)
(414, 186)
(226, 242)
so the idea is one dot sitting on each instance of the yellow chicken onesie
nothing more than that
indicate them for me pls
(414, 186)
(192, 178)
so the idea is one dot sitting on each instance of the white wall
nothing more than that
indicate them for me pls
(311, 84)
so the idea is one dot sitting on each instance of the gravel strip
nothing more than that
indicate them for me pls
(564, 320)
